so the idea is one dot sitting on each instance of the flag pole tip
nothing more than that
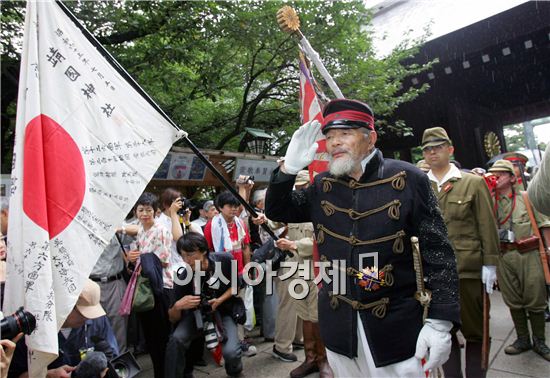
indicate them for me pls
(288, 19)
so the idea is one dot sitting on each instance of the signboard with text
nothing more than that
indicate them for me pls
(260, 169)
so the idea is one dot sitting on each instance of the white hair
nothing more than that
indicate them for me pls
(259, 195)
(342, 166)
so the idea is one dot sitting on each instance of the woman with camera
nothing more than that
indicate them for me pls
(175, 217)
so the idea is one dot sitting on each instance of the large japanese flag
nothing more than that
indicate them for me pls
(310, 109)
(86, 145)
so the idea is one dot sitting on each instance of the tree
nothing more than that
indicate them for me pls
(218, 67)
(515, 139)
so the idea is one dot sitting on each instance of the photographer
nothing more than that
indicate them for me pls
(85, 328)
(175, 217)
(215, 300)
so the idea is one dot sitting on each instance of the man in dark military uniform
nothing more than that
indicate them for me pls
(364, 212)
(465, 203)
(520, 272)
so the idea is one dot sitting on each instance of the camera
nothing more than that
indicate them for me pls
(204, 319)
(185, 205)
(123, 366)
(19, 321)
(506, 236)
(210, 335)
(268, 251)
(245, 179)
(204, 311)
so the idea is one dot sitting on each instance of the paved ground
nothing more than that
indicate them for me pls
(501, 365)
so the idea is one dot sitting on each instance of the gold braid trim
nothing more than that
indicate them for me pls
(397, 182)
(398, 245)
(388, 276)
(378, 307)
(393, 210)
(422, 295)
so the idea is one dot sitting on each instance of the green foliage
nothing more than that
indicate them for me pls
(515, 138)
(217, 67)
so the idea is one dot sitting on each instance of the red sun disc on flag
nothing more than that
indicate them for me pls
(54, 180)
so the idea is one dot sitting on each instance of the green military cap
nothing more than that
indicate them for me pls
(502, 166)
(434, 137)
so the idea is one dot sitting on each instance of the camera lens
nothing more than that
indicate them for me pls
(121, 369)
(20, 321)
(210, 335)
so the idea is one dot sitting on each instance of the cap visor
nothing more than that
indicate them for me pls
(91, 312)
(330, 127)
(433, 144)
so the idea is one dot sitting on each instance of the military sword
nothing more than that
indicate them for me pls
(422, 295)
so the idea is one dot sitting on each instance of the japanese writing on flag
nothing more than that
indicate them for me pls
(86, 145)
(310, 109)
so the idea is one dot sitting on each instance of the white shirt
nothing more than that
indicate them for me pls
(200, 221)
(175, 258)
(454, 172)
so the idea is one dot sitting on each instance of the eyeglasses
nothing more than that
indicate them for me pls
(437, 148)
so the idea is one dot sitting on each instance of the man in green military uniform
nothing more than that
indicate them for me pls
(465, 203)
(520, 273)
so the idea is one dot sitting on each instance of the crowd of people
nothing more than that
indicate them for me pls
(411, 252)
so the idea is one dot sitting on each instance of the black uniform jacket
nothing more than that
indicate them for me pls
(359, 222)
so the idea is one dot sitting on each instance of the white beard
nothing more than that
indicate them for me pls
(342, 166)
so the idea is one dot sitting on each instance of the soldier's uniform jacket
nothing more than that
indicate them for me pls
(302, 234)
(519, 222)
(467, 210)
(379, 213)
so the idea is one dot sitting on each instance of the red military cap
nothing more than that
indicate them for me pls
(347, 114)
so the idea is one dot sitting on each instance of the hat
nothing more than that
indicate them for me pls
(88, 301)
(347, 114)
(515, 157)
(92, 365)
(435, 137)
(502, 166)
(302, 178)
(207, 205)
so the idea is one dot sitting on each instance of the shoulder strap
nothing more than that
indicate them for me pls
(534, 225)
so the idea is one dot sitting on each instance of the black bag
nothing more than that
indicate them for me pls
(238, 311)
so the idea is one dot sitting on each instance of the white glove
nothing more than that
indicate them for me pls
(301, 149)
(489, 277)
(436, 337)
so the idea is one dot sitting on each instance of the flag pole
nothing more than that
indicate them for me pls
(289, 22)
(116, 65)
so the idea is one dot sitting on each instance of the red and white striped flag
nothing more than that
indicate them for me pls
(87, 143)
(311, 109)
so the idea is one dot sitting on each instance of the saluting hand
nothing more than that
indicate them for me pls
(302, 147)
